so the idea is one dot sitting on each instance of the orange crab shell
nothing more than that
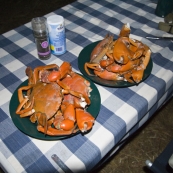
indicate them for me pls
(47, 98)
(78, 84)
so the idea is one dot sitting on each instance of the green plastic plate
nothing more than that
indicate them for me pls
(84, 57)
(30, 129)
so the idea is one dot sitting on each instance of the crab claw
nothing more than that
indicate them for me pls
(121, 52)
(52, 73)
(63, 124)
(125, 30)
(84, 120)
(69, 112)
(137, 75)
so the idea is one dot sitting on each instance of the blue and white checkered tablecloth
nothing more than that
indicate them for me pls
(123, 110)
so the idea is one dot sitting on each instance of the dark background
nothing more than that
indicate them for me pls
(14, 13)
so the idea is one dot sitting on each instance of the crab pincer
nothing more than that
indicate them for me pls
(84, 120)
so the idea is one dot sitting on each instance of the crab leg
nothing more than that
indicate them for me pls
(108, 75)
(55, 132)
(41, 68)
(26, 114)
(93, 66)
(20, 90)
(28, 109)
(97, 58)
(98, 51)
(29, 73)
(22, 103)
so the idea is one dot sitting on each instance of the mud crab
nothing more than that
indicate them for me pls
(56, 98)
(122, 59)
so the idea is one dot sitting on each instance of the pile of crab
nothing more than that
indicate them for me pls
(56, 99)
(123, 59)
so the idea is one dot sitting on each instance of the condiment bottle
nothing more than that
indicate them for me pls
(57, 37)
(40, 32)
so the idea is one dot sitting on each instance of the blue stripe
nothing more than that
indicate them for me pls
(16, 141)
(84, 149)
(42, 165)
(151, 112)
(19, 53)
(74, 37)
(8, 79)
(74, 143)
(2, 118)
(25, 31)
(136, 101)
(59, 162)
(5, 60)
(4, 42)
(4, 70)
(112, 122)
(162, 61)
(158, 84)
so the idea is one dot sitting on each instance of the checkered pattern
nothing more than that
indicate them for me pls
(123, 110)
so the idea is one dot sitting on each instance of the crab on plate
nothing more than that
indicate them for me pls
(56, 99)
(122, 59)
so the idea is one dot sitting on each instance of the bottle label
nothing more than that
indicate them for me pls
(45, 53)
(57, 39)
(43, 48)
(44, 44)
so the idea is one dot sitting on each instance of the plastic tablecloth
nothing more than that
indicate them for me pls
(122, 110)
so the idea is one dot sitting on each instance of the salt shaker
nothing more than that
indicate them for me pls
(40, 32)
(57, 37)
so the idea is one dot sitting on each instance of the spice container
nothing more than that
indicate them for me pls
(40, 32)
(57, 37)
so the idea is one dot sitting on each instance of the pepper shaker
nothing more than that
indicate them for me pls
(40, 32)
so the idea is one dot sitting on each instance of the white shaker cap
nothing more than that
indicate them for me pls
(55, 20)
